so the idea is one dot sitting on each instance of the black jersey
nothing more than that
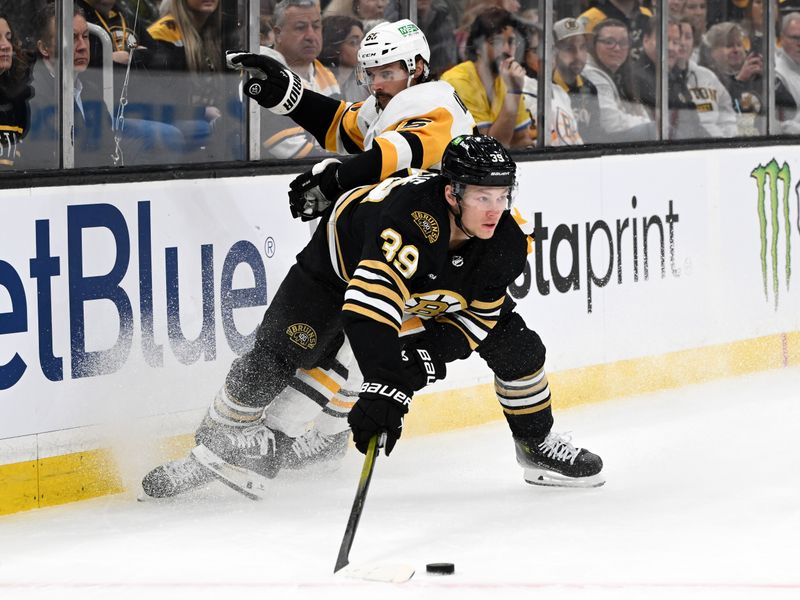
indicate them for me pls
(388, 246)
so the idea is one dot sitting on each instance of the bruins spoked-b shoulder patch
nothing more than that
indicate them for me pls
(303, 335)
(427, 224)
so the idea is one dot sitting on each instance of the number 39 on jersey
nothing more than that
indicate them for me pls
(404, 258)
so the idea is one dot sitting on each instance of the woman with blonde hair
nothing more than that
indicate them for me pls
(188, 36)
(184, 48)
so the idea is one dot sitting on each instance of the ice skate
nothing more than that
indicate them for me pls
(175, 477)
(244, 458)
(554, 461)
(315, 449)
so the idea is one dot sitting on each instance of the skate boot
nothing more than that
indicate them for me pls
(554, 461)
(315, 448)
(175, 477)
(243, 458)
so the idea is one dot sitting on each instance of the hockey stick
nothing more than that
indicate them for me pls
(375, 444)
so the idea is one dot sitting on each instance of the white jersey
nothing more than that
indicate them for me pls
(412, 131)
(712, 101)
(616, 115)
(564, 125)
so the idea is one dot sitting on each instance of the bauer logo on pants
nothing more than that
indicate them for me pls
(303, 335)
(774, 219)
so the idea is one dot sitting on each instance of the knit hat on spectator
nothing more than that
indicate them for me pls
(566, 28)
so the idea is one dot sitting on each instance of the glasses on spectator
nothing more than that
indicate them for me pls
(353, 40)
(794, 38)
(614, 43)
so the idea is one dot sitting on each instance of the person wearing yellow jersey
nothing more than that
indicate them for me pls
(492, 81)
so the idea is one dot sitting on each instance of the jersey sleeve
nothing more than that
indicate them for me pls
(416, 143)
(334, 123)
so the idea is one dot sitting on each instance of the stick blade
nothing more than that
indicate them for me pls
(341, 563)
(383, 573)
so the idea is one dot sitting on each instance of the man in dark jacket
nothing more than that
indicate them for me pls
(92, 134)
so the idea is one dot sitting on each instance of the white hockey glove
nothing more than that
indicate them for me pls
(312, 192)
(272, 84)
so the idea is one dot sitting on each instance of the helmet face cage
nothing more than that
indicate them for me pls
(392, 42)
(479, 160)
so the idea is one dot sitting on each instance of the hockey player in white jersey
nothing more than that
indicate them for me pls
(406, 123)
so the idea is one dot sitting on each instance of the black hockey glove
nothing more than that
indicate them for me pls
(311, 193)
(272, 84)
(421, 367)
(380, 407)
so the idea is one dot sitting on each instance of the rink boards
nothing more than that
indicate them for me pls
(121, 306)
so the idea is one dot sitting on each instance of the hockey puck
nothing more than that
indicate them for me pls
(440, 568)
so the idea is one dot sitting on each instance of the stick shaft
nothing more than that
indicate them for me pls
(358, 504)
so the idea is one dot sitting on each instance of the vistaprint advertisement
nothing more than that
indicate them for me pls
(133, 299)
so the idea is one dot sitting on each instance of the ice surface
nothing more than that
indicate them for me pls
(702, 500)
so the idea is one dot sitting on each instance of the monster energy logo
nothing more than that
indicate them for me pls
(772, 174)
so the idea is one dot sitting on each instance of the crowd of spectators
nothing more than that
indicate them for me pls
(174, 100)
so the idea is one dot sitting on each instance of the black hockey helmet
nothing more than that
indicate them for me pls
(479, 160)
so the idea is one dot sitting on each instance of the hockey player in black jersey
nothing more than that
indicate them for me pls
(439, 247)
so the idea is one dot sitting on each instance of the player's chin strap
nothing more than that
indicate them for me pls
(457, 217)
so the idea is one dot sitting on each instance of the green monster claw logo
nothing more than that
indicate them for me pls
(772, 173)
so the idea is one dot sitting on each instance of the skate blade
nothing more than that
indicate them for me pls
(553, 479)
(382, 573)
(246, 482)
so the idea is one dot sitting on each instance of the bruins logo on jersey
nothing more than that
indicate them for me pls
(427, 224)
(303, 335)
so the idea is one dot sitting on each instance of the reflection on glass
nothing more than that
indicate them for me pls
(182, 106)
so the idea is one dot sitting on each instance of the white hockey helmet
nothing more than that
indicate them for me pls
(389, 42)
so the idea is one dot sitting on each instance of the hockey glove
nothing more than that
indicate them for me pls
(380, 407)
(311, 193)
(272, 84)
(421, 367)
